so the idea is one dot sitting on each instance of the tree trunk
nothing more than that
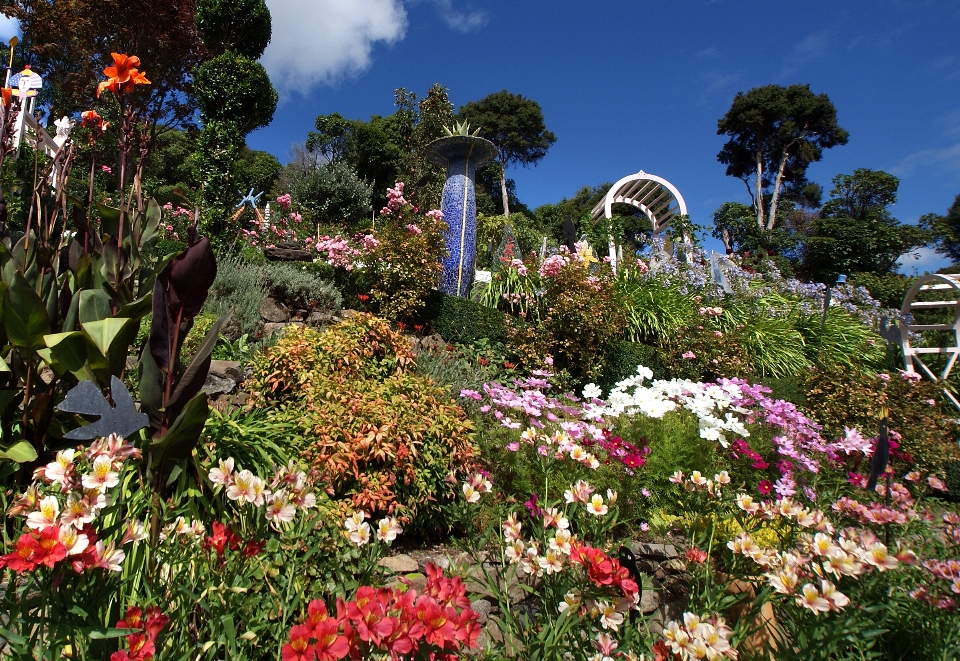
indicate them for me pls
(503, 189)
(758, 201)
(776, 185)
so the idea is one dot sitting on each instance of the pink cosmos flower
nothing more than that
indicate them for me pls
(688, 355)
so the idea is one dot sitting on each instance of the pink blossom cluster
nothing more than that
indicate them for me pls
(339, 251)
(284, 201)
(414, 229)
(395, 199)
(551, 266)
(435, 214)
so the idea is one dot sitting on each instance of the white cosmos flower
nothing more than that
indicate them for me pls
(592, 391)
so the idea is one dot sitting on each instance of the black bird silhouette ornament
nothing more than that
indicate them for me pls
(86, 399)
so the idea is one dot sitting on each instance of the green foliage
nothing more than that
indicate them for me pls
(582, 315)
(490, 233)
(241, 26)
(218, 149)
(302, 289)
(622, 359)
(653, 309)
(843, 341)
(462, 320)
(856, 232)
(945, 230)
(404, 265)
(839, 397)
(258, 170)
(384, 438)
(372, 148)
(201, 326)
(235, 89)
(240, 288)
(888, 288)
(332, 194)
(767, 335)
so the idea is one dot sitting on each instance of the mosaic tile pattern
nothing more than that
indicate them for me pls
(461, 155)
(460, 212)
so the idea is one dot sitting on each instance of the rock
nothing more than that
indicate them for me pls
(655, 551)
(649, 602)
(346, 314)
(482, 607)
(417, 582)
(441, 561)
(230, 369)
(320, 318)
(400, 564)
(216, 385)
(676, 566)
(271, 328)
(288, 255)
(132, 362)
(274, 312)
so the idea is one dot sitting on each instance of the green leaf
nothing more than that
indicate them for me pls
(20, 453)
(65, 352)
(95, 304)
(105, 333)
(109, 219)
(151, 222)
(179, 441)
(24, 315)
(109, 633)
(196, 373)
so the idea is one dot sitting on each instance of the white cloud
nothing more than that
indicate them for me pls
(920, 261)
(463, 21)
(812, 48)
(946, 159)
(8, 27)
(322, 41)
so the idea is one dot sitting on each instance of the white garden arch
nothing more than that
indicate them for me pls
(947, 288)
(656, 197)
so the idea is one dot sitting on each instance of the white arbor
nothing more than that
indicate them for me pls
(943, 320)
(656, 197)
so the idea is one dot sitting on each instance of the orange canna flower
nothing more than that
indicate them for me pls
(123, 76)
(6, 96)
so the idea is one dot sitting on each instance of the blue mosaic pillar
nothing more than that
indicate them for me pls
(461, 155)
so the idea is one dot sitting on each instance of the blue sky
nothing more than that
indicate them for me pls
(628, 85)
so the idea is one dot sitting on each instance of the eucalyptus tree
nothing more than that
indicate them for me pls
(775, 134)
(515, 125)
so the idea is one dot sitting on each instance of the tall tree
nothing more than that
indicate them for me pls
(234, 93)
(69, 44)
(515, 125)
(945, 230)
(856, 232)
(775, 134)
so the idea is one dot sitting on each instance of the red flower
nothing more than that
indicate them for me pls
(299, 647)
(156, 622)
(765, 487)
(26, 556)
(253, 548)
(93, 118)
(221, 538)
(52, 550)
(363, 297)
(330, 645)
(696, 555)
(133, 619)
(141, 648)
